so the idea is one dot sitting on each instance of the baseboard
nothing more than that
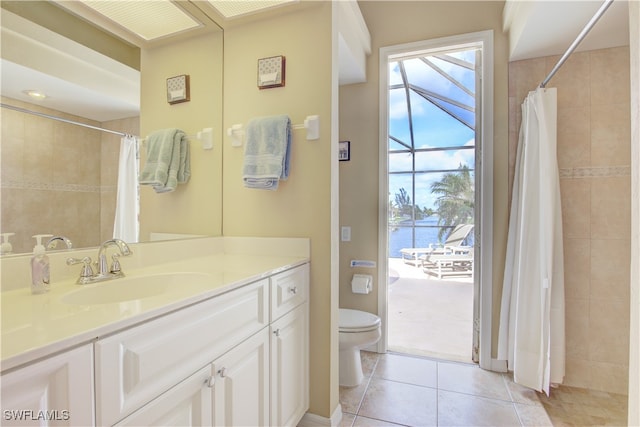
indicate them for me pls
(313, 420)
(498, 365)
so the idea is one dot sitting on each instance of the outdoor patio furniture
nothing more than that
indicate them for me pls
(453, 261)
(455, 239)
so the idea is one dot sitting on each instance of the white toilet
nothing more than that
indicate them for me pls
(358, 329)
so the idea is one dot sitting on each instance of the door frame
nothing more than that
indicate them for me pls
(483, 270)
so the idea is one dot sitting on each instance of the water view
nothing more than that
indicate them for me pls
(426, 232)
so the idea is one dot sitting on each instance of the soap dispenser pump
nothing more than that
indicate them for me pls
(40, 267)
(5, 247)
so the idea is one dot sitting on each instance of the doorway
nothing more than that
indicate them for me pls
(433, 163)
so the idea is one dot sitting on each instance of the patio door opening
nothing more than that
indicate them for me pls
(432, 156)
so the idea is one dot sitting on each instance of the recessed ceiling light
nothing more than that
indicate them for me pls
(233, 9)
(35, 94)
(149, 19)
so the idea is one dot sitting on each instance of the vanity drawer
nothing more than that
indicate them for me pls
(135, 366)
(289, 289)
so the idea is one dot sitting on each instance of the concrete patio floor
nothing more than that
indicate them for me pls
(427, 316)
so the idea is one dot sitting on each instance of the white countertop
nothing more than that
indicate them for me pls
(35, 326)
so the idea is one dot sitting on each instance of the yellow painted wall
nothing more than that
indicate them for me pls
(193, 208)
(301, 207)
(392, 23)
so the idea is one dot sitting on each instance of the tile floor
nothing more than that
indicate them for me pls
(417, 391)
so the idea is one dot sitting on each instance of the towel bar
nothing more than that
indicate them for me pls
(311, 124)
(205, 136)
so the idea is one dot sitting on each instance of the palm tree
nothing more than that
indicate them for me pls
(455, 199)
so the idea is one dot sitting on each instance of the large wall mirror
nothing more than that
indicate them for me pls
(61, 178)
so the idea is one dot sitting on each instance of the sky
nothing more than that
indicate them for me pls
(432, 127)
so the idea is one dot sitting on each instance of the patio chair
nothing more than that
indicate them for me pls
(451, 261)
(455, 239)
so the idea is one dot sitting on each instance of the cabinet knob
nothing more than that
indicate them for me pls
(211, 381)
(293, 289)
(222, 372)
(276, 332)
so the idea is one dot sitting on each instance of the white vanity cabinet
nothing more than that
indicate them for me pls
(187, 404)
(241, 384)
(237, 359)
(289, 346)
(137, 365)
(56, 391)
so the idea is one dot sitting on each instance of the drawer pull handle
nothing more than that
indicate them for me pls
(293, 289)
(211, 381)
(222, 372)
(276, 332)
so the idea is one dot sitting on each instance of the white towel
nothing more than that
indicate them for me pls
(168, 163)
(267, 152)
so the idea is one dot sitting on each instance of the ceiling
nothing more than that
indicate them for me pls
(542, 27)
(536, 28)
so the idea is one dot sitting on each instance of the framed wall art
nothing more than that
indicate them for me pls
(178, 89)
(344, 151)
(271, 72)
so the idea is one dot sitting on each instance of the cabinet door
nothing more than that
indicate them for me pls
(186, 404)
(241, 391)
(135, 366)
(57, 391)
(290, 367)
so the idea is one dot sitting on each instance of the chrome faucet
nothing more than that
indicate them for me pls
(103, 266)
(53, 242)
(104, 271)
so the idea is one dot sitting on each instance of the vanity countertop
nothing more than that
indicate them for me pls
(35, 326)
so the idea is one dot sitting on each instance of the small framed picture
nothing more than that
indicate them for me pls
(344, 151)
(178, 89)
(271, 72)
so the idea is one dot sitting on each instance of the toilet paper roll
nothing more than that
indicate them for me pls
(361, 283)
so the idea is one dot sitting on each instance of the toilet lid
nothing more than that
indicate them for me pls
(357, 321)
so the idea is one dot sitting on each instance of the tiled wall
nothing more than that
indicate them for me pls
(52, 177)
(594, 161)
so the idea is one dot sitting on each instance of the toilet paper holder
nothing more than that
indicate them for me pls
(362, 283)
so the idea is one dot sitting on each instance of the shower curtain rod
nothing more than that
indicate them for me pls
(60, 119)
(577, 41)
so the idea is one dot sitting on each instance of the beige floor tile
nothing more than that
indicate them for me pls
(532, 415)
(351, 397)
(407, 369)
(470, 379)
(457, 409)
(370, 422)
(347, 420)
(400, 403)
(521, 394)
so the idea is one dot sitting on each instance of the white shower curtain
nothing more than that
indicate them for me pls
(531, 334)
(126, 225)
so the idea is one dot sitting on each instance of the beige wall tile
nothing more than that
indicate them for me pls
(610, 135)
(609, 332)
(578, 372)
(577, 328)
(610, 261)
(610, 377)
(574, 137)
(572, 80)
(577, 271)
(525, 76)
(610, 76)
(611, 208)
(576, 208)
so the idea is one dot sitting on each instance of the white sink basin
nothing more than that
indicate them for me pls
(133, 288)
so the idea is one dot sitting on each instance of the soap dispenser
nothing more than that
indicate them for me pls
(5, 247)
(39, 267)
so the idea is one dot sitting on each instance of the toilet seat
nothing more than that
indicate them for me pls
(351, 321)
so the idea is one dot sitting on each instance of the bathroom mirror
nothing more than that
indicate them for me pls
(59, 178)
